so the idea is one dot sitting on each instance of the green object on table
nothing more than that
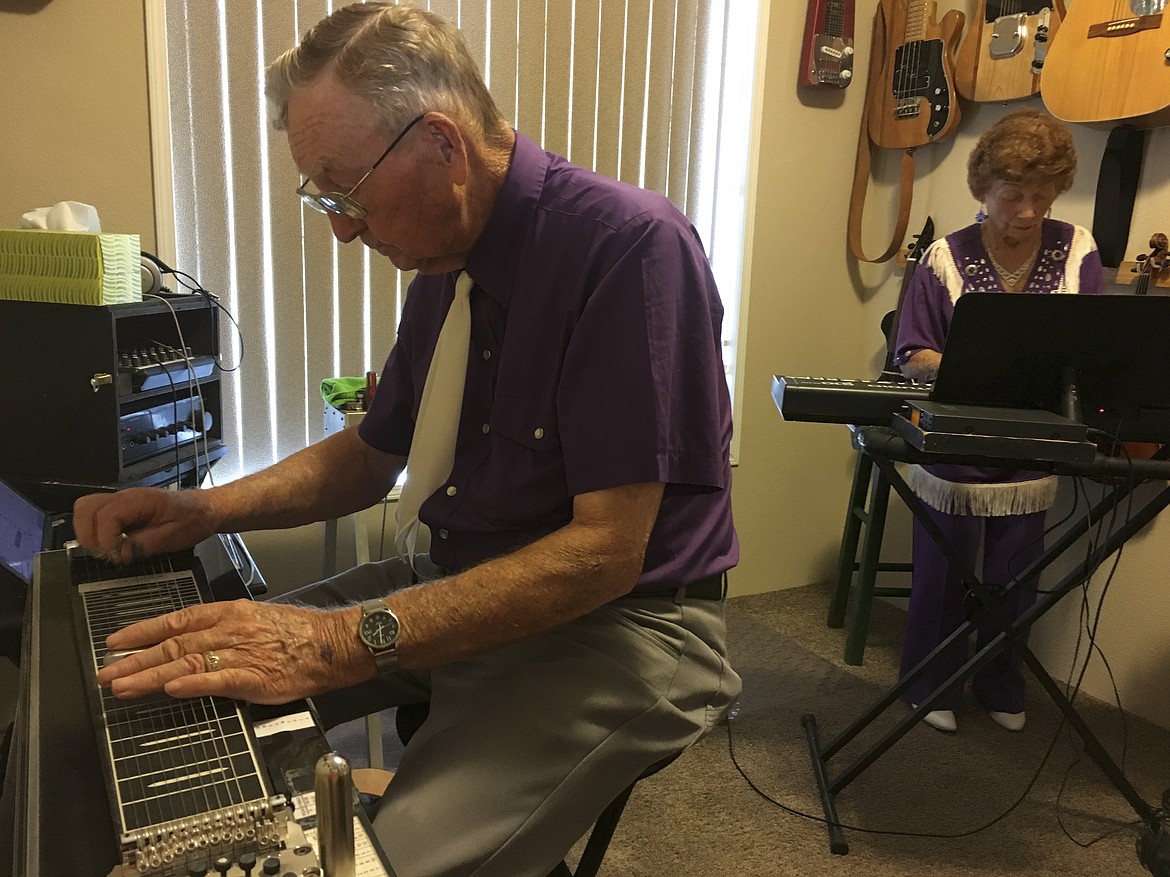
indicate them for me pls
(338, 391)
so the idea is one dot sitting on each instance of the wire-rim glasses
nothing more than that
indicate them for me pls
(340, 204)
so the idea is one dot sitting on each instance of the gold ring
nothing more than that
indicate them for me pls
(210, 662)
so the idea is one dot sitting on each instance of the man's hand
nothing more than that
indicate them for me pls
(266, 653)
(142, 522)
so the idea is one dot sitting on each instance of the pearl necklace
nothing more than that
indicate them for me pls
(1009, 278)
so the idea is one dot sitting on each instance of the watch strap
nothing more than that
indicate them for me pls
(386, 659)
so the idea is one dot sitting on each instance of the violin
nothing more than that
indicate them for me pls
(1151, 264)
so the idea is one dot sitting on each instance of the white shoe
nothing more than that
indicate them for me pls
(941, 720)
(1011, 721)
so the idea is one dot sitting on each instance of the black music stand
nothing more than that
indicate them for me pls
(1105, 354)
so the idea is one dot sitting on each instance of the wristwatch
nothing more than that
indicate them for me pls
(379, 629)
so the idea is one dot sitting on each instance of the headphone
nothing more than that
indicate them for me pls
(152, 281)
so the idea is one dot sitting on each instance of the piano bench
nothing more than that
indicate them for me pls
(868, 484)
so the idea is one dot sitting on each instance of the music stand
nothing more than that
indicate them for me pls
(1105, 355)
(1101, 359)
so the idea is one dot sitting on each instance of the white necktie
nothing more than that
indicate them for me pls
(432, 451)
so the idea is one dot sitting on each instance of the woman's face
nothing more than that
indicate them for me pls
(1015, 210)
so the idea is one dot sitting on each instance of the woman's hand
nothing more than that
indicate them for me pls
(922, 366)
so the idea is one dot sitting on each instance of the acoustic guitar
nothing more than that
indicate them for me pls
(1005, 49)
(826, 56)
(913, 102)
(1110, 64)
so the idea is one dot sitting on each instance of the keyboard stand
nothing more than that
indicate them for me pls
(885, 448)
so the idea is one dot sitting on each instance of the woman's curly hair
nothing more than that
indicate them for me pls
(1026, 143)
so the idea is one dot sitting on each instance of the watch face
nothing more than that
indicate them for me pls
(379, 629)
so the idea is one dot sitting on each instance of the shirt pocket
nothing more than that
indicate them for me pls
(529, 421)
(526, 465)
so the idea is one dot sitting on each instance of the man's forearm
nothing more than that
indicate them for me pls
(329, 479)
(538, 588)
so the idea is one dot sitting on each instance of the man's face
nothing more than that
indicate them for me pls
(413, 198)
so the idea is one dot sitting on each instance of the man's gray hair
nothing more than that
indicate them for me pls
(403, 61)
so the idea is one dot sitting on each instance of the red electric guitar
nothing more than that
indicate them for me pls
(826, 57)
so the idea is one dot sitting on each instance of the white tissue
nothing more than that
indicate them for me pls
(64, 216)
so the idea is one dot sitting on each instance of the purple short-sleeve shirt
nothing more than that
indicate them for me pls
(595, 362)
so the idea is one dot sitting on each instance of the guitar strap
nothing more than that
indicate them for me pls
(864, 161)
(1117, 183)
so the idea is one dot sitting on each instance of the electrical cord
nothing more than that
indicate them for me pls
(192, 285)
(891, 832)
(1090, 629)
(195, 388)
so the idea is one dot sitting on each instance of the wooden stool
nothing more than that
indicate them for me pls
(409, 718)
(866, 479)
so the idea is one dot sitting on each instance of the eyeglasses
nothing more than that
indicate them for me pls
(343, 204)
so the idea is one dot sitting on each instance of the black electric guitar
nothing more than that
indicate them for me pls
(922, 240)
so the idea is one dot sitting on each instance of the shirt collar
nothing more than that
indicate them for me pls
(495, 258)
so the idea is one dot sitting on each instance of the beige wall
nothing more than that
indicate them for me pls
(73, 111)
(810, 308)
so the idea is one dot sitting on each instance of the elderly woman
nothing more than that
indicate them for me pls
(1017, 169)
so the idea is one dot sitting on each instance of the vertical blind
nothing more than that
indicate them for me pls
(638, 90)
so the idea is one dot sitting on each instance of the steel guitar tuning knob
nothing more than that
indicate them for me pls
(247, 863)
(271, 866)
(223, 864)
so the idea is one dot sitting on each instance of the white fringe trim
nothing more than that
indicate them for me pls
(983, 500)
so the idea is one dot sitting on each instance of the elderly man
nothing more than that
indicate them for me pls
(567, 628)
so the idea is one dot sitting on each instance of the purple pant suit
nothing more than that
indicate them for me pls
(999, 510)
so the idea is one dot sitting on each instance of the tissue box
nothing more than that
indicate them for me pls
(70, 267)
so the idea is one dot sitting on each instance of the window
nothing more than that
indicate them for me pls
(652, 92)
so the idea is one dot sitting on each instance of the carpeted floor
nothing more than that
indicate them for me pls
(701, 816)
